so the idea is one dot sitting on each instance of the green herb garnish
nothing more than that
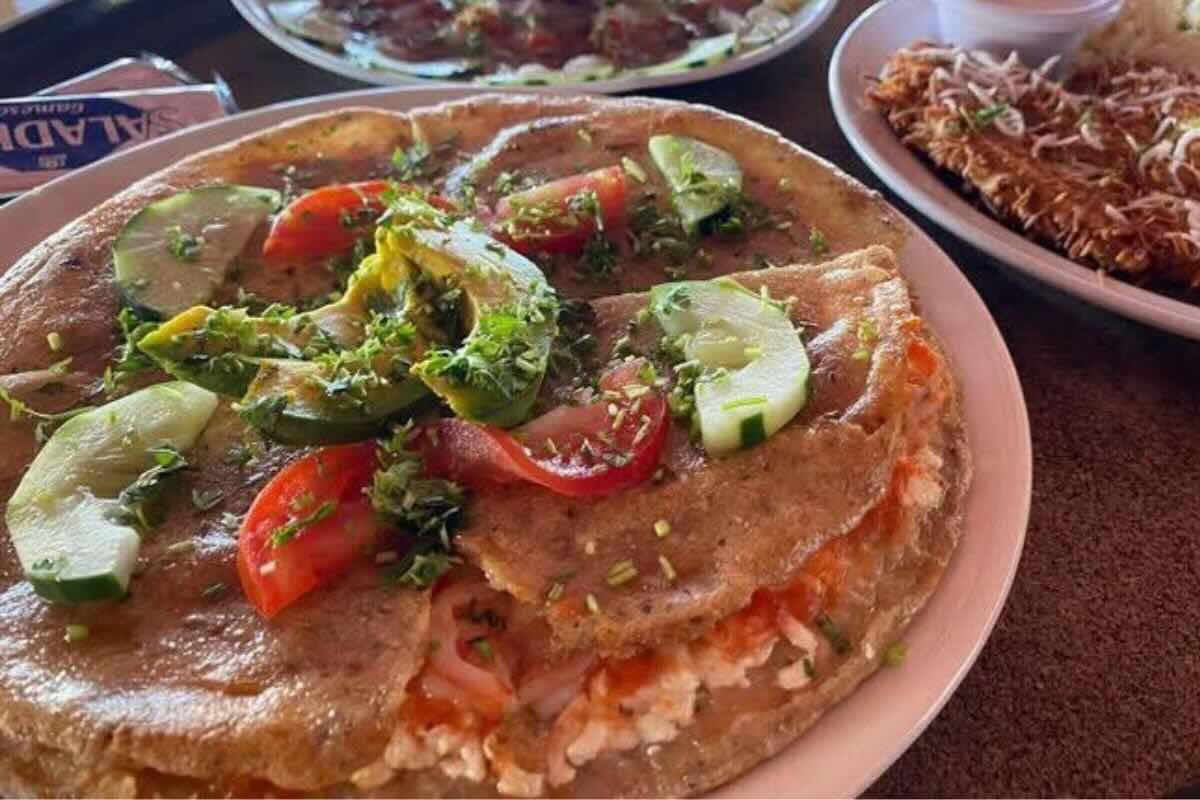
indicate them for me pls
(134, 502)
(285, 533)
(831, 631)
(895, 654)
(984, 117)
(183, 245)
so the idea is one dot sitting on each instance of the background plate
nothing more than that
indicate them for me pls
(857, 740)
(862, 51)
(806, 21)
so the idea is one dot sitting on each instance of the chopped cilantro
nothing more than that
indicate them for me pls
(984, 117)
(129, 360)
(816, 242)
(413, 161)
(134, 502)
(837, 639)
(428, 508)
(896, 653)
(289, 531)
(76, 633)
(183, 245)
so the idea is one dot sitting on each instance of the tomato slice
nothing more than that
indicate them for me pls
(329, 220)
(603, 447)
(550, 218)
(324, 490)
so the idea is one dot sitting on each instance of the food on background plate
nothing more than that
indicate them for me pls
(1165, 32)
(519, 445)
(1102, 168)
(554, 41)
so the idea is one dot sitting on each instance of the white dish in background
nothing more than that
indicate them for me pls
(858, 739)
(805, 22)
(1036, 29)
(863, 50)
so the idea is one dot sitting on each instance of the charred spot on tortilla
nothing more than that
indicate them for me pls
(731, 469)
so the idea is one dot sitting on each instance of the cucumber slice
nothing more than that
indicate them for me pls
(368, 54)
(174, 253)
(702, 177)
(701, 53)
(755, 377)
(581, 69)
(61, 518)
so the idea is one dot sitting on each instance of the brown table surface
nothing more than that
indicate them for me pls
(1090, 684)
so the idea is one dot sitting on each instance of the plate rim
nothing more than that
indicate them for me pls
(932, 198)
(1005, 429)
(255, 13)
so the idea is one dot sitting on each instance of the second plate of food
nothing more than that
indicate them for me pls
(893, 25)
(607, 47)
(911, 387)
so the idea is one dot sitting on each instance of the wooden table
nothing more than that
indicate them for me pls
(1090, 683)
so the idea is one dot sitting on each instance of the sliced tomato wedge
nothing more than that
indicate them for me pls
(307, 525)
(329, 220)
(554, 217)
(603, 447)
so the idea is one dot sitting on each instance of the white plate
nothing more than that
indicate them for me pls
(805, 22)
(17, 12)
(862, 51)
(858, 739)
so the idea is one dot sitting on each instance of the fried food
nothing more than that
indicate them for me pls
(1103, 169)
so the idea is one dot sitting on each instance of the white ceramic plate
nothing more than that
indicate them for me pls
(858, 739)
(16, 12)
(806, 21)
(863, 50)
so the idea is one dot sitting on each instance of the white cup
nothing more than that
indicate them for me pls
(1036, 29)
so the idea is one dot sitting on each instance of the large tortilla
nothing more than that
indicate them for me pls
(197, 694)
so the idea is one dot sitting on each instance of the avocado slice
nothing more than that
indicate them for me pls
(489, 303)
(333, 374)
(65, 519)
(220, 349)
(439, 307)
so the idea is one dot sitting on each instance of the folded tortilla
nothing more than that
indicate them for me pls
(186, 690)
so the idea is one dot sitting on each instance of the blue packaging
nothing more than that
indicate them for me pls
(44, 137)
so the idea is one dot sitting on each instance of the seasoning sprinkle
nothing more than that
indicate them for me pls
(618, 419)
(589, 547)
(633, 169)
(635, 390)
(837, 639)
(662, 528)
(76, 633)
(182, 546)
(206, 499)
(612, 409)
(214, 590)
(554, 593)
(483, 648)
(895, 654)
(621, 573)
(593, 604)
(667, 569)
(55, 340)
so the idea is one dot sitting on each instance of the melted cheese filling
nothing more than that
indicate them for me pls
(645, 701)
